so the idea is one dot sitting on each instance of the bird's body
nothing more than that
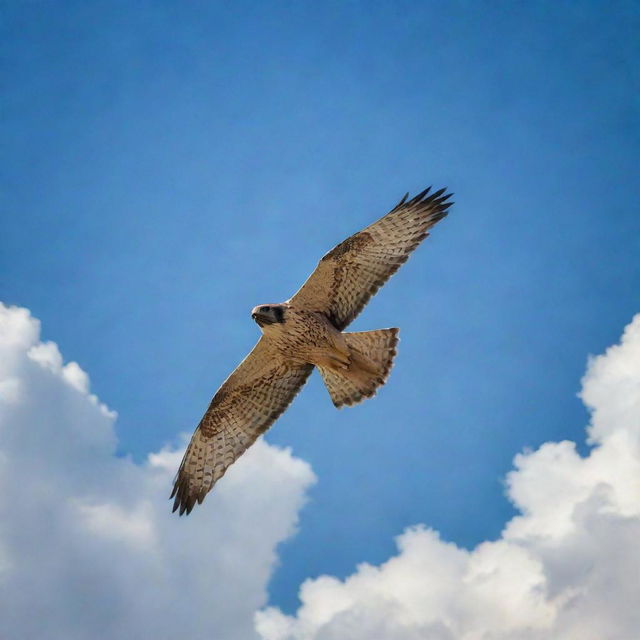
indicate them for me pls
(304, 336)
(308, 331)
(301, 336)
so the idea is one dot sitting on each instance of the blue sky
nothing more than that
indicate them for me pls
(167, 168)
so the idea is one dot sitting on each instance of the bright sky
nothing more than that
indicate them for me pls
(167, 167)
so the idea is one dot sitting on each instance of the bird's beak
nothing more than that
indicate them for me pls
(257, 316)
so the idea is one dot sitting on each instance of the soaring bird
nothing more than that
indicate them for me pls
(306, 331)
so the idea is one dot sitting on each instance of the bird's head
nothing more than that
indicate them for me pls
(269, 314)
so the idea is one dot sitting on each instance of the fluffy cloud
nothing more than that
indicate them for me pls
(88, 546)
(567, 567)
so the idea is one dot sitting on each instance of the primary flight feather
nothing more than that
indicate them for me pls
(304, 332)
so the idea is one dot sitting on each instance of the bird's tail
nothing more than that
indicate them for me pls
(371, 354)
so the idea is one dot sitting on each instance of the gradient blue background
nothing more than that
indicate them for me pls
(167, 166)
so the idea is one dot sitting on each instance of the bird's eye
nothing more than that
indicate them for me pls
(265, 309)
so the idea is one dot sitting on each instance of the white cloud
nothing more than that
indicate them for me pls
(88, 545)
(89, 548)
(566, 568)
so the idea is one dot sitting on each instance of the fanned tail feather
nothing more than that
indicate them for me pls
(372, 354)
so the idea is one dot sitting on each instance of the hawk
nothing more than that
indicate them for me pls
(306, 332)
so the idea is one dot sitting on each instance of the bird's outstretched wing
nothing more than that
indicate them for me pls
(347, 277)
(253, 396)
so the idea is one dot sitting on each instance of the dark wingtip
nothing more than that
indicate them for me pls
(183, 506)
(404, 199)
(183, 502)
(437, 203)
(177, 503)
(420, 196)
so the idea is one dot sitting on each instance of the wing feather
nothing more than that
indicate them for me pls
(352, 272)
(245, 406)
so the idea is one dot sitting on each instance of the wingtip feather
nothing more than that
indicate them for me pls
(403, 200)
(416, 199)
(436, 204)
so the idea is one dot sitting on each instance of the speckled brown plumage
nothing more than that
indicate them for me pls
(347, 276)
(246, 405)
(379, 346)
(304, 332)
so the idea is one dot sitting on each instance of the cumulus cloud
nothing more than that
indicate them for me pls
(88, 546)
(566, 568)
